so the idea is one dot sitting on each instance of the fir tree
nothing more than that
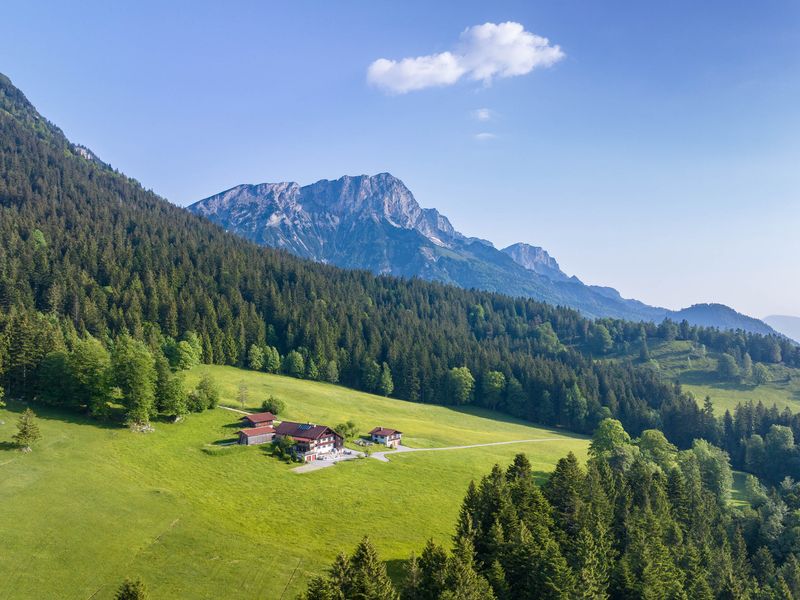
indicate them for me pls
(132, 589)
(432, 564)
(462, 582)
(369, 580)
(27, 431)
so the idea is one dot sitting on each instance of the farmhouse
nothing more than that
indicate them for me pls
(311, 441)
(385, 436)
(264, 419)
(256, 435)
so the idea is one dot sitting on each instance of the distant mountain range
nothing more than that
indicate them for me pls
(788, 326)
(375, 223)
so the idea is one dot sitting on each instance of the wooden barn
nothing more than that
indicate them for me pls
(263, 419)
(256, 435)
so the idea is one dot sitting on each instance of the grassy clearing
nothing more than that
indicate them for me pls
(92, 505)
(739, 496)
(697, 375)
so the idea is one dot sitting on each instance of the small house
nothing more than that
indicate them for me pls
(256, 435)
(311, 442)
(263, 419)
(385, 436)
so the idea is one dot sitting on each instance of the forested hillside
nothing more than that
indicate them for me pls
(86, 251)
(642, 520)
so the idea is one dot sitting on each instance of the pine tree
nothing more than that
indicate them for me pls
(413, 577)
(790, 571)
(562, 491)
(462, 582)
(132, 590)
(369, 580)
(697, 576)
(591, 568)
(465, 527)
(497, 579)
(321, 588)
(340, 577)
(432, 563)
(520, 468)
(27, 431)
(535, 568)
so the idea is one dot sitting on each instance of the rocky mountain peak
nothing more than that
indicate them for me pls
(535, 258)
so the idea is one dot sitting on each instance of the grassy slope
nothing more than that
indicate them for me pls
(699, 377)
(92, 505)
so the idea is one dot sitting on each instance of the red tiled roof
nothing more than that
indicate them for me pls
(259, 417)
(304, 431)
(257, 431)
(383, 431)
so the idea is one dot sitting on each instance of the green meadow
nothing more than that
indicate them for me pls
(698, 375)
(94, 504)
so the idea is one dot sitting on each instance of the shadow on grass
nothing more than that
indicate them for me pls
(225, 442)
(396, 568)
(54, 413)
(8, 447)
(541, 477)
(697, 377)
(475, 411)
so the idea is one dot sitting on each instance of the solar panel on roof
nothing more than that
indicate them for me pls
(304, 427)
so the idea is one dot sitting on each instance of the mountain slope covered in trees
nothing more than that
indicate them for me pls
(86, 251)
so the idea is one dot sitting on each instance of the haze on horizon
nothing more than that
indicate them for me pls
(649, 148)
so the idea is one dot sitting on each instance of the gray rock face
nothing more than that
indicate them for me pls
(536, 259)
(375, 223)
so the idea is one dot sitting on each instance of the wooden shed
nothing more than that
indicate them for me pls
(256, 435)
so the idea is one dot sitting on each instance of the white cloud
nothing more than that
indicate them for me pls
(484, 136)
(482, 53)
(482, 114)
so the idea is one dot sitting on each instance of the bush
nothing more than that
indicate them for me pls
(208, 392)
(274, 405)
(347, 430)
(282, 448)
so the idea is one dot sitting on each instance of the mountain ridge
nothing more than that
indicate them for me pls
(375, 223)
(786, 324)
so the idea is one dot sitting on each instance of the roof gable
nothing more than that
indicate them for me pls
(257, 431)
(261, 417)
(384, 431)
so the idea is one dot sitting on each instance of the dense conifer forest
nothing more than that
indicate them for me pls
(641, 520)
(111, 290)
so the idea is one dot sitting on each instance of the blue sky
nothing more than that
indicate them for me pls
(659, 152)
